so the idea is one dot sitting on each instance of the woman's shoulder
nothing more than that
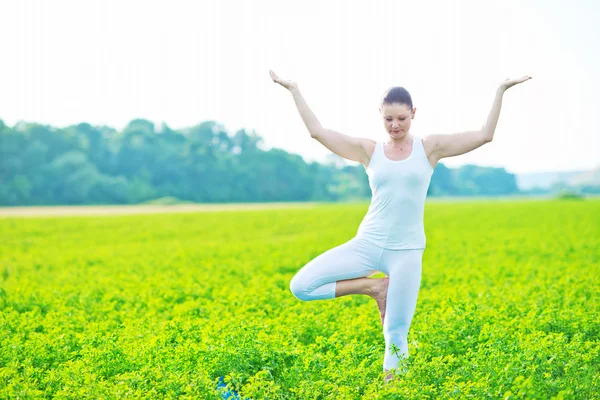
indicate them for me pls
(429, 143)
(368, 146)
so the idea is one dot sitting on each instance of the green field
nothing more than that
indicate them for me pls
(161, 306)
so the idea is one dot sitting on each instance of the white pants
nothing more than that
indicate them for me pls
(360, 258)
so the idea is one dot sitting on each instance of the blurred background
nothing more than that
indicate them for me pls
(134, 102)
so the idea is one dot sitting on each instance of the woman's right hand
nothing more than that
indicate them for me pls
(289, 85)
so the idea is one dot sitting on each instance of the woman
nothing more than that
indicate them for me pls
(391, 237)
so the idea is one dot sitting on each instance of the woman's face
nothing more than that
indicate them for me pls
(397, 118)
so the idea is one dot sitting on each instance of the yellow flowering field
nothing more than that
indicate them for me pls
(165, 305)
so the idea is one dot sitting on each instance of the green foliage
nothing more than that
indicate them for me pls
(569, 195)
(161, 306)
(82, 164)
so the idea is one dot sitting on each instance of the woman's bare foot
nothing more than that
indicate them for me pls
(388, 377)
(379, 293)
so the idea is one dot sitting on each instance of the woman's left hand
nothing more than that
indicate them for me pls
(512, 82)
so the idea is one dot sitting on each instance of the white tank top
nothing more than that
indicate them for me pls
(399, 188)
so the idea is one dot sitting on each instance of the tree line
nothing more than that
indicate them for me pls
(85, 164)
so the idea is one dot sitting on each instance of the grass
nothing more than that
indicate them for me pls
(163, 305)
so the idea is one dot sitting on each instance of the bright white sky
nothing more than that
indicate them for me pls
(184, 62)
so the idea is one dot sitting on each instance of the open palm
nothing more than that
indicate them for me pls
(286, 84)
(512, 82)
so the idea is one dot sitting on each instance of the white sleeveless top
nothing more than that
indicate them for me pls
(399, 188)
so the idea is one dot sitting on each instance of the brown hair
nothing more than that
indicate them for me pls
(397, 95)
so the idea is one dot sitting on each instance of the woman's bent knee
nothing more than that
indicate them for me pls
(298, 288)
(305, 291)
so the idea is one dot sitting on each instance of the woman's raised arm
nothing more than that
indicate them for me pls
(455, 144)
(345, 146)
